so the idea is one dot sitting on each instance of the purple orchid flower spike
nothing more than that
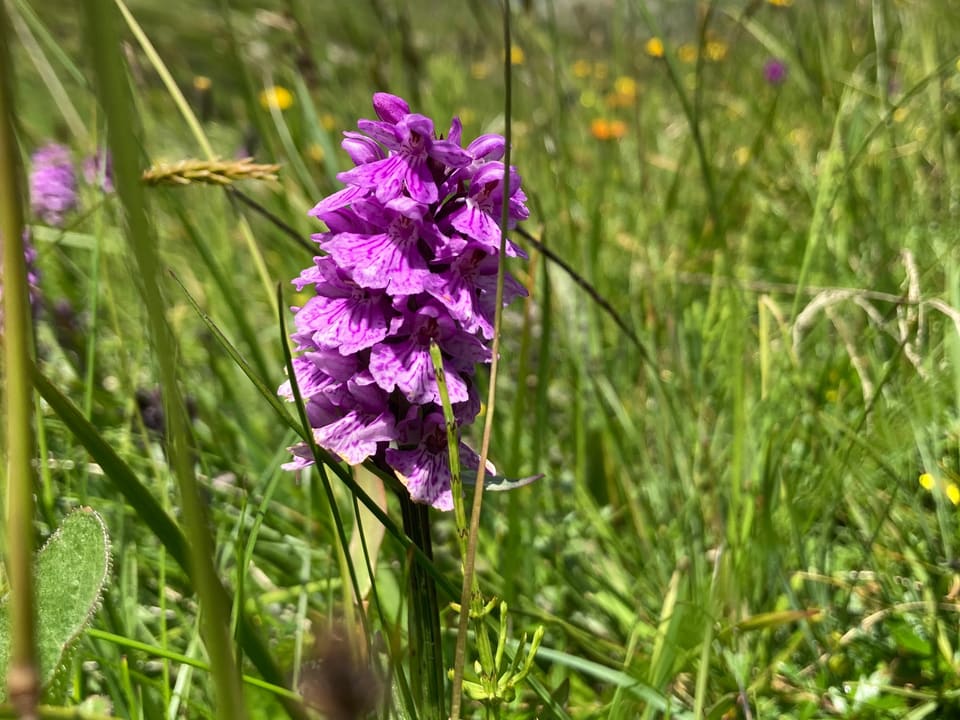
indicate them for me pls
(357, 434)
(412, 249)
(483, 149)
(320, 372)
(456, 132)
(487, 147)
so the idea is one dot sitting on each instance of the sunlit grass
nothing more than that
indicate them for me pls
(756, 516)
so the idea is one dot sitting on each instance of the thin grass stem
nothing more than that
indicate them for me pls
(471, 602)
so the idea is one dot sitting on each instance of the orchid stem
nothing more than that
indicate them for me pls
(423, 618)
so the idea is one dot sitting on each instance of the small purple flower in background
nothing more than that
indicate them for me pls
(33, 277)
(775, 71)
(412, 253)
(53, 184)
(98, 170)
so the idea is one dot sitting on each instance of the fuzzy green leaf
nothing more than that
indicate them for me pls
(71, 572)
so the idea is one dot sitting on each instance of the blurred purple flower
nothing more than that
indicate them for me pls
(775, 71)
(53, 184)
(33, 277)
(412, 253)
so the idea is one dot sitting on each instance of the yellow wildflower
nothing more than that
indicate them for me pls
(953, 493)
(950, 489)
(741, 155)
(654, 47)
(625, 86)
(277, 97)
(315, 152)
(624, 93)
(687, 53)
(900, 114)
(480, 70)
(781, 3)
(201, 83)
(715, 50)
(328, 121)
(516, 55)
(582, 68)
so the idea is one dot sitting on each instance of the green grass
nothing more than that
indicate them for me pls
(730, 522)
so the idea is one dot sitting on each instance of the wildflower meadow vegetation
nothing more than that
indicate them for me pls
(530, 359)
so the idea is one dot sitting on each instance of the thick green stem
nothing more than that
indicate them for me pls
(114, 95)
(423, 618)
(22, 678)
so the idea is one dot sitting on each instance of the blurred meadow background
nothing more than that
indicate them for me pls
(751, 481)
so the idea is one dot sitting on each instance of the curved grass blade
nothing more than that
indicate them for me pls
(181, 659)
(196, 129)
